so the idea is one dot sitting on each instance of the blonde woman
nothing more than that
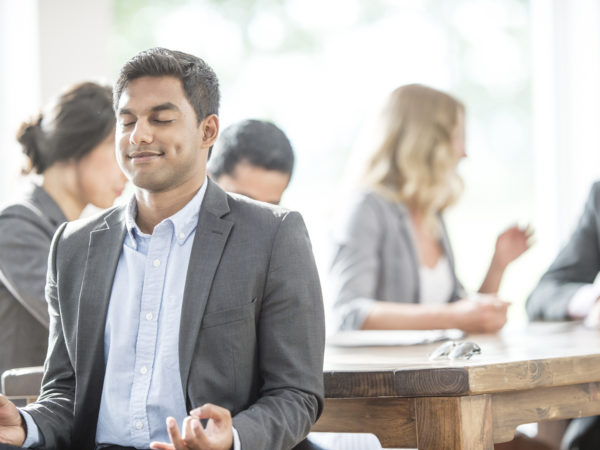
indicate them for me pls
(393, 266)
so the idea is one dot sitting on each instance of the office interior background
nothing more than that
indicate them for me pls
(527, 70)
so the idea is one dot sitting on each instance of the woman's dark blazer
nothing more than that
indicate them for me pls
(26, 230)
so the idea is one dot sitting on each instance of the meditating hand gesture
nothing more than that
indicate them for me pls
(218, 434)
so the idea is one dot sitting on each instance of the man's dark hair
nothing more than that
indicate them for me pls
(261, 144)
(72, 126)
(199, 81)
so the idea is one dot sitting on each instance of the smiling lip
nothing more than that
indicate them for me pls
(144, 156)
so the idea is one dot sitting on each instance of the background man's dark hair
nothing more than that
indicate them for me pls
(199, 81)
(261, 144)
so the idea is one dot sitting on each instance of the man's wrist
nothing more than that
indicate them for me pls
(236, 444)
(499, 264)
(33, 436)
(23, 425)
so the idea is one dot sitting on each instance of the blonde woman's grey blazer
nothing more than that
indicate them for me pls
(375, 259)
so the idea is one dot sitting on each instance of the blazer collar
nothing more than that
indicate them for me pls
(211, 236)
(105, 246)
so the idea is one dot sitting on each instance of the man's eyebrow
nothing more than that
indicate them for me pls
(168, 106)
(165, 107)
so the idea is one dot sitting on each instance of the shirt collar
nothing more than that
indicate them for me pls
(184, 221)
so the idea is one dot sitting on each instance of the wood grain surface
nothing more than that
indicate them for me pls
(392, 420)
(540, 355)
(540, 372)
(470, 427)
(511, 409)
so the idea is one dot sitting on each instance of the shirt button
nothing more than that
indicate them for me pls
(149, 316)
(139, 425)
(181, 236)
(156, 262)
(143, 371)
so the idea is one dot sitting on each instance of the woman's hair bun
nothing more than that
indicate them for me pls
(31, 137)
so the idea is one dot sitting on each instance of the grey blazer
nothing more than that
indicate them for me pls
(26, 230)
(252, 326)
(375, 259)
(576, 265)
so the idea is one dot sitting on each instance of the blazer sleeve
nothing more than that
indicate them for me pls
(53, 411)
(24, 248)
(353, 274)
(576, 265)
(291, 339)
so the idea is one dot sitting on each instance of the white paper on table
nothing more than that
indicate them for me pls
(375, 338)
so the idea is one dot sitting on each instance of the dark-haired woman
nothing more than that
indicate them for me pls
(71, 146)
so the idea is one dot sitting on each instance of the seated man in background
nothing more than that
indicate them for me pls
(569, 291)
(253, 158)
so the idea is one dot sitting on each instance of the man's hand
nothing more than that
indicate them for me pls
(218, 434)
(592, 320)
(487, 314)
(12, 430)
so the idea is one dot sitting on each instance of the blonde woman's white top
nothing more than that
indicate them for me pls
(436, 283)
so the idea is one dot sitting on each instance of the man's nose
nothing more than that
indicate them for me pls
(141, 134)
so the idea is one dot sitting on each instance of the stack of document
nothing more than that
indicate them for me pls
(375, 338)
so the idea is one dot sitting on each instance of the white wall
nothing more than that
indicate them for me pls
(566, 111)
(45, 45)
(74, 42)
(19, 81)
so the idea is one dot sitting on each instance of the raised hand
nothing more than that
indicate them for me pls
(592, 320)
(511, 244)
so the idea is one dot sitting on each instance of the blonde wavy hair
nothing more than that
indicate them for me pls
(413, 159)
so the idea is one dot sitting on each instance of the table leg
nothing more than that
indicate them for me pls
(461, 423)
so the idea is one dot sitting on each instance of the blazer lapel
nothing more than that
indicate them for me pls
(407, 231)
(209, 242)
(447, 248)
(105, 247)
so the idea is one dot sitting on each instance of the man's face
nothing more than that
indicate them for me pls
(255, 182)
(160, 144)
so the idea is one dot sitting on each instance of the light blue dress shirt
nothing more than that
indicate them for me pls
(142, 384)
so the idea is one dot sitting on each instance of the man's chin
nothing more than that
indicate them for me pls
(151, 183)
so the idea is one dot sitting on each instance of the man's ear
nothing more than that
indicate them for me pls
(210, 130)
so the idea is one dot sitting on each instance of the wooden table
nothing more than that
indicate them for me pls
(534, 373)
